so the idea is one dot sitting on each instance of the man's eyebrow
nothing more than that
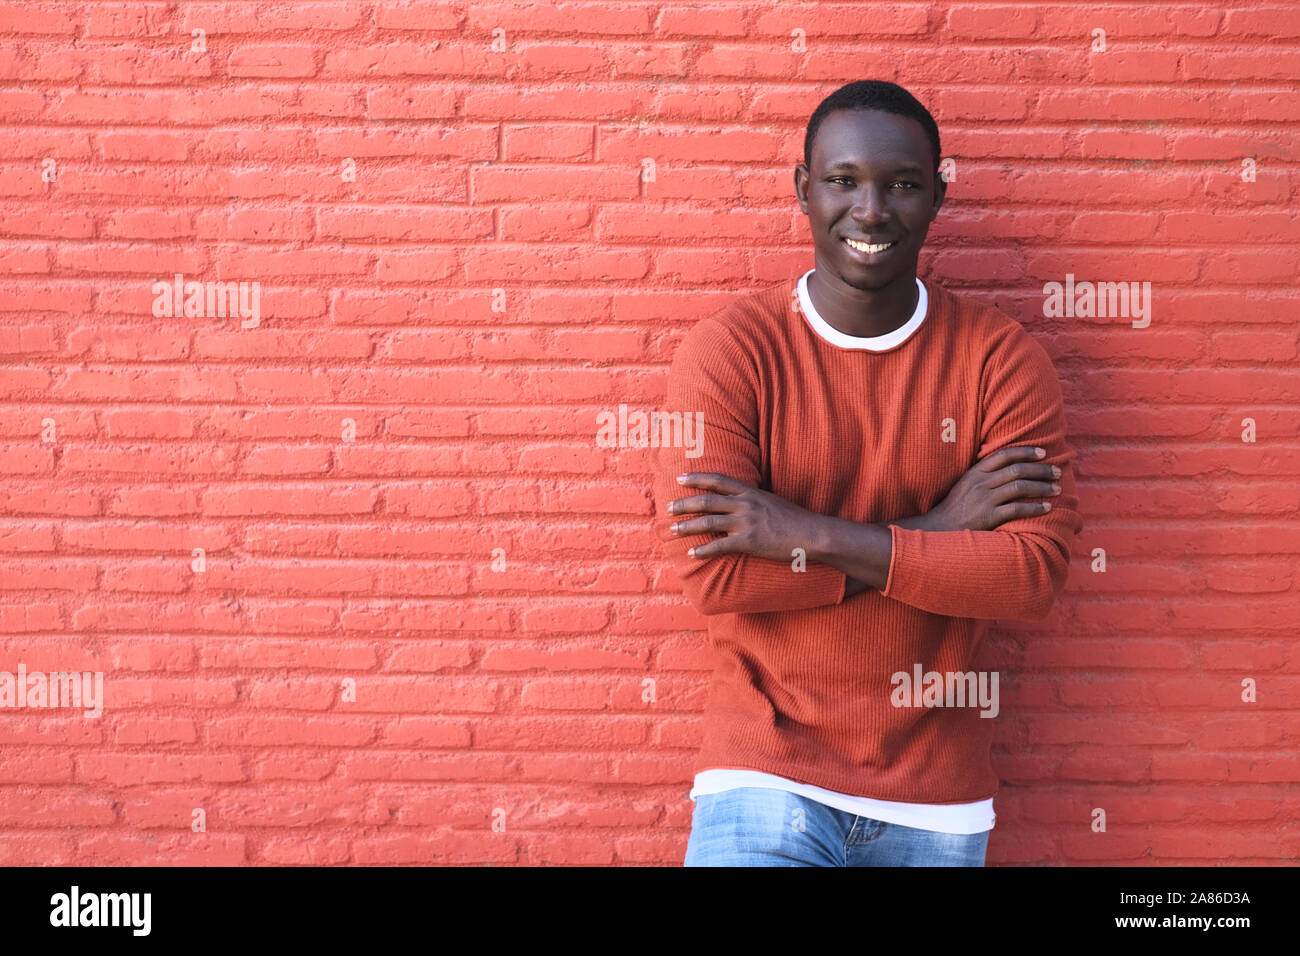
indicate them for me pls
(907, 167)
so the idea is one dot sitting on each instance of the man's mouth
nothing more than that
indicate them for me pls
(869, 248)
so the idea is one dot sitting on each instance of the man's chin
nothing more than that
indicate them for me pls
(873, 280)
(869, 282)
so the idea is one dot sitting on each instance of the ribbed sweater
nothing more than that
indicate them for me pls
(803, 678)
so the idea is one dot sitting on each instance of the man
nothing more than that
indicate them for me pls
(868, 496)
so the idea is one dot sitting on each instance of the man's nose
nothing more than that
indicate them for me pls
(870, 205)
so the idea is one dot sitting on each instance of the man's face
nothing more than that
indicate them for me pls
(872, 179)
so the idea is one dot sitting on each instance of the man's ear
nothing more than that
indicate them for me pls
(801, 187)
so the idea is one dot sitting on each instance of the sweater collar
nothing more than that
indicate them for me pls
(871, 343)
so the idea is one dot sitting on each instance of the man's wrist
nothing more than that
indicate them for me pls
(914, 523)
(855, 586)
(925, 522)
(861, 550)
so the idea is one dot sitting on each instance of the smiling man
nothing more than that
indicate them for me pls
(851, 420)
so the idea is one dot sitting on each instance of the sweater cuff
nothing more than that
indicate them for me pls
(891, 580)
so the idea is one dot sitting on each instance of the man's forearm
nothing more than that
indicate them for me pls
(857, 584)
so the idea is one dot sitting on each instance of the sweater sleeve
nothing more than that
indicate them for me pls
(1016, 570)
(714, 382)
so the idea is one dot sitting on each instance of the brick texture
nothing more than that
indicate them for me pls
(363, 585)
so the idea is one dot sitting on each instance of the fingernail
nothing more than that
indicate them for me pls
(1040, 452)
(1055, 487)
(674, 528)
(1056, 472)
(681, 478)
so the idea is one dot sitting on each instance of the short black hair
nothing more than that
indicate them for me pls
(873, 95)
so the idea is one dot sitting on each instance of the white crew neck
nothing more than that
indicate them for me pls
(871, 343)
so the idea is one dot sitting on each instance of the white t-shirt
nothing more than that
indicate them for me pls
(943, 817)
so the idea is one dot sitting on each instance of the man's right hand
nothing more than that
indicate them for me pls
(987, 495)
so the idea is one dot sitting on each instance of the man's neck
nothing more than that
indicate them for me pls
(863, 314)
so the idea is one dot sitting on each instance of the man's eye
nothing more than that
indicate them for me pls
(848, 182)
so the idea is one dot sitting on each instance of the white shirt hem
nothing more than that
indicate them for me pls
(973, 817)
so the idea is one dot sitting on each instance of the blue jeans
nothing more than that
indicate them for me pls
(759, 826)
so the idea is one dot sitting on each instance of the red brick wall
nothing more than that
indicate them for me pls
(461, 261)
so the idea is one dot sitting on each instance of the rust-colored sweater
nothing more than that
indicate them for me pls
(804, 676)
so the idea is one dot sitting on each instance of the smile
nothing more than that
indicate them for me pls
(870, 248)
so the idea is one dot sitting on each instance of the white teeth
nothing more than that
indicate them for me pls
(868, 247)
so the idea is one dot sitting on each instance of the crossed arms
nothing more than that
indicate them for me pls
(1013, 572)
